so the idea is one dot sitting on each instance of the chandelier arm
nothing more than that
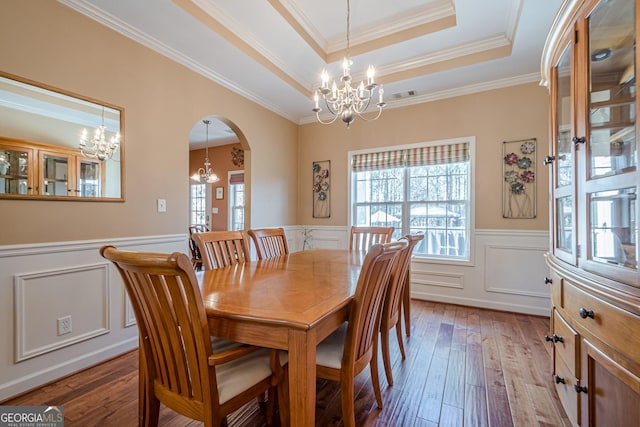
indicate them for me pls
(363, 109)
(370, 119)
(333, 110)
(335, 117)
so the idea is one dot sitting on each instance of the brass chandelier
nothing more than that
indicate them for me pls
(206, 175)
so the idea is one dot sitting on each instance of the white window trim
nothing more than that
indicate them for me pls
(229, 210)
(471, 140)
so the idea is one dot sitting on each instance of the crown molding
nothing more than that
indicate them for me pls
(247, 37)
(479, 46)
(144, 39)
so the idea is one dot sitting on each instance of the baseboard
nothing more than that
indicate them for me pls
(50, 374)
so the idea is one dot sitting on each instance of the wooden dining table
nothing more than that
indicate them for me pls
(290, 303)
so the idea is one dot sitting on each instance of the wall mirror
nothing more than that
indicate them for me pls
(41, 131)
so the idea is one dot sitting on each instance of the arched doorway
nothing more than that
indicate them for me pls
(225, 203)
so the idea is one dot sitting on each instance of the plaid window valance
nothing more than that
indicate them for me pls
(379, 160)
(421, 156)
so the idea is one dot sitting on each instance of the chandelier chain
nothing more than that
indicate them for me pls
(348, 28)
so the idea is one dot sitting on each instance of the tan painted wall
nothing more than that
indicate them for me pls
(513, 113)
(221, 164)
(48, 42)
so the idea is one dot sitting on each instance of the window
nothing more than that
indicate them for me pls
(236, 201)
(422, 188)
(198, 204)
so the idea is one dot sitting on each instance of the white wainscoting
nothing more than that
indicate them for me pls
(40, 283)
(506, 273)
(47, 294)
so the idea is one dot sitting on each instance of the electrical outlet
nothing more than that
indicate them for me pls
(64, 325)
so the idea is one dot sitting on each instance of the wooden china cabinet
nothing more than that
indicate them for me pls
(37, 169)
(589, 63)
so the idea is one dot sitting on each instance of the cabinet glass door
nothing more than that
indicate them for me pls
(611, 152)
(564, 187)
(14, 171)
(89, 178)
(55, 175)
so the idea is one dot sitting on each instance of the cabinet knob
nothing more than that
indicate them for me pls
(548, 281)
(577, 140)
(554, 338)
(558, 379)
(548, 160)
(580, 389)
(584, 313)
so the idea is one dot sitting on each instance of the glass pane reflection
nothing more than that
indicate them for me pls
(613, 227)
(564, 211)
(612, 141)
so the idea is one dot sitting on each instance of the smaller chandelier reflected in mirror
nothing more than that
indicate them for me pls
(348, 102)
(99, 147)
(206, 175)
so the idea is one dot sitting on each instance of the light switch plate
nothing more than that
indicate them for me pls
(162, 205)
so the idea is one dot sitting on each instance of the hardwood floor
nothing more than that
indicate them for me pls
(465, 367)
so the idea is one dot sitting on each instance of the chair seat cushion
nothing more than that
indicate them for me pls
(329, 351)
(239, 375)
(220, 345)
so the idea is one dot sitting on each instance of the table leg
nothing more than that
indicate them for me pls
(302, 378)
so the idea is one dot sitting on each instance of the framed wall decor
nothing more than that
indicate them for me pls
(219, 193)
(519, 179)
(322, 189)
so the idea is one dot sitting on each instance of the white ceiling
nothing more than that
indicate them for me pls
(272, 51)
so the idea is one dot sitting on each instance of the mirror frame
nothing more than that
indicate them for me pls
(86, 99)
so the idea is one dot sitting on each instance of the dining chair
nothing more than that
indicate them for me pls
(354, 345)
(181, 365)
(196, 258)
(393, 302)
(269, 242)
(222, 248)
(362, 238)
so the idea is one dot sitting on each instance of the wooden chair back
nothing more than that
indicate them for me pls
(269, 242)
(222, 248)
(178, 365)
(363, 238)
(391, 308)
(174, 333)
(350, 348)
(364, 315)
(196, 258)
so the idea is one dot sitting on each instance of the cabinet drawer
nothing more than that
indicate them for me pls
(567, 350)
(617, 327)
(566, 392)
(556, 288)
